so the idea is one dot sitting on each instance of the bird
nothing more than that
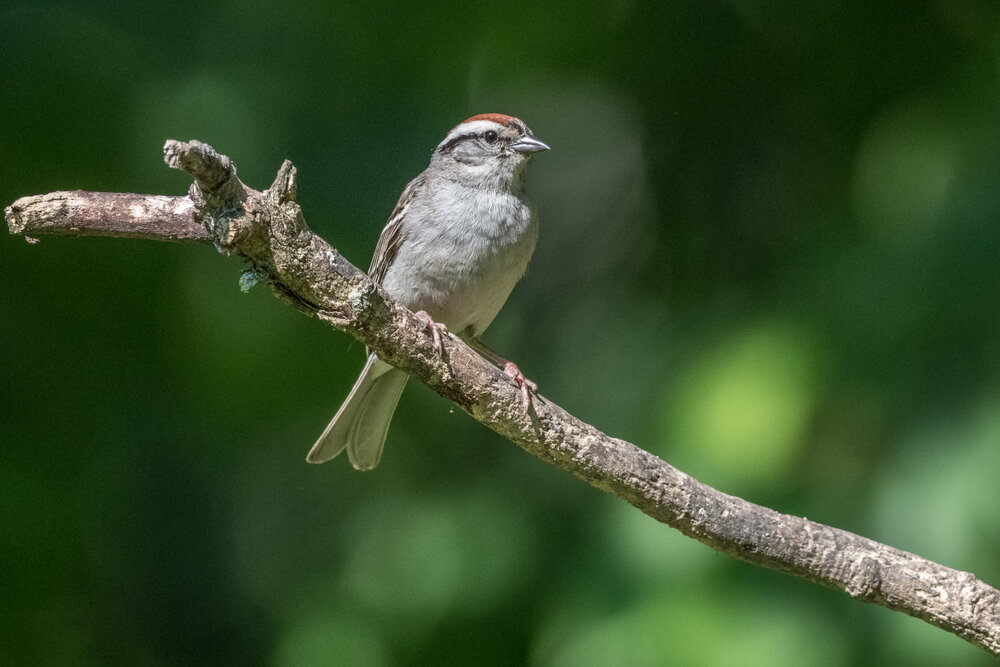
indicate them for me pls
(458, 240)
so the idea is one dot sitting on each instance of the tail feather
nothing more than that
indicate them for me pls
(362, 422)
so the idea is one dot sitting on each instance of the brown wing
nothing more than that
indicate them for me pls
(392, 234)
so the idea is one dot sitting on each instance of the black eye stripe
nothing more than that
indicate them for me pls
(449, 145)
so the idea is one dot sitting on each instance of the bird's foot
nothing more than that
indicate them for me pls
(437, 329)
(526, 386)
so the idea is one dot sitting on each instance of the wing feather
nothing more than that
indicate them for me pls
(391, 238)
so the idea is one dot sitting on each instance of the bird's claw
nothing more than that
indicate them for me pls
(526, 386)
(437, 329)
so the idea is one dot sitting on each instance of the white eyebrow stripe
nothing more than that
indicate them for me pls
(473, 128)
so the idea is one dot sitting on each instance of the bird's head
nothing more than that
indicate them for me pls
(489, 149)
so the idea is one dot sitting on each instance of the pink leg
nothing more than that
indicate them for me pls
(526, 386)
(510, 369)
(437, 329)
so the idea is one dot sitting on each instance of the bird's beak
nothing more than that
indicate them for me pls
(528, 144)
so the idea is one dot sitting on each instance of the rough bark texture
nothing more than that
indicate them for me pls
(267, 228)
(126, 215)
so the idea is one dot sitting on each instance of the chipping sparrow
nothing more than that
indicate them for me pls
(454, 247)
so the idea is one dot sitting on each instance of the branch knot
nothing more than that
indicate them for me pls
(217, 193)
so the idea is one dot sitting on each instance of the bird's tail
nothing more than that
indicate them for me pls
(362, 422)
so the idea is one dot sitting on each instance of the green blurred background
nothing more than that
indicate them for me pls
(769, 255)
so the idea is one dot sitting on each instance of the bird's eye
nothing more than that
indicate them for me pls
(490, 137)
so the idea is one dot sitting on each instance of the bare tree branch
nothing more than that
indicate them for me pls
(124, 215)
(268, 230)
